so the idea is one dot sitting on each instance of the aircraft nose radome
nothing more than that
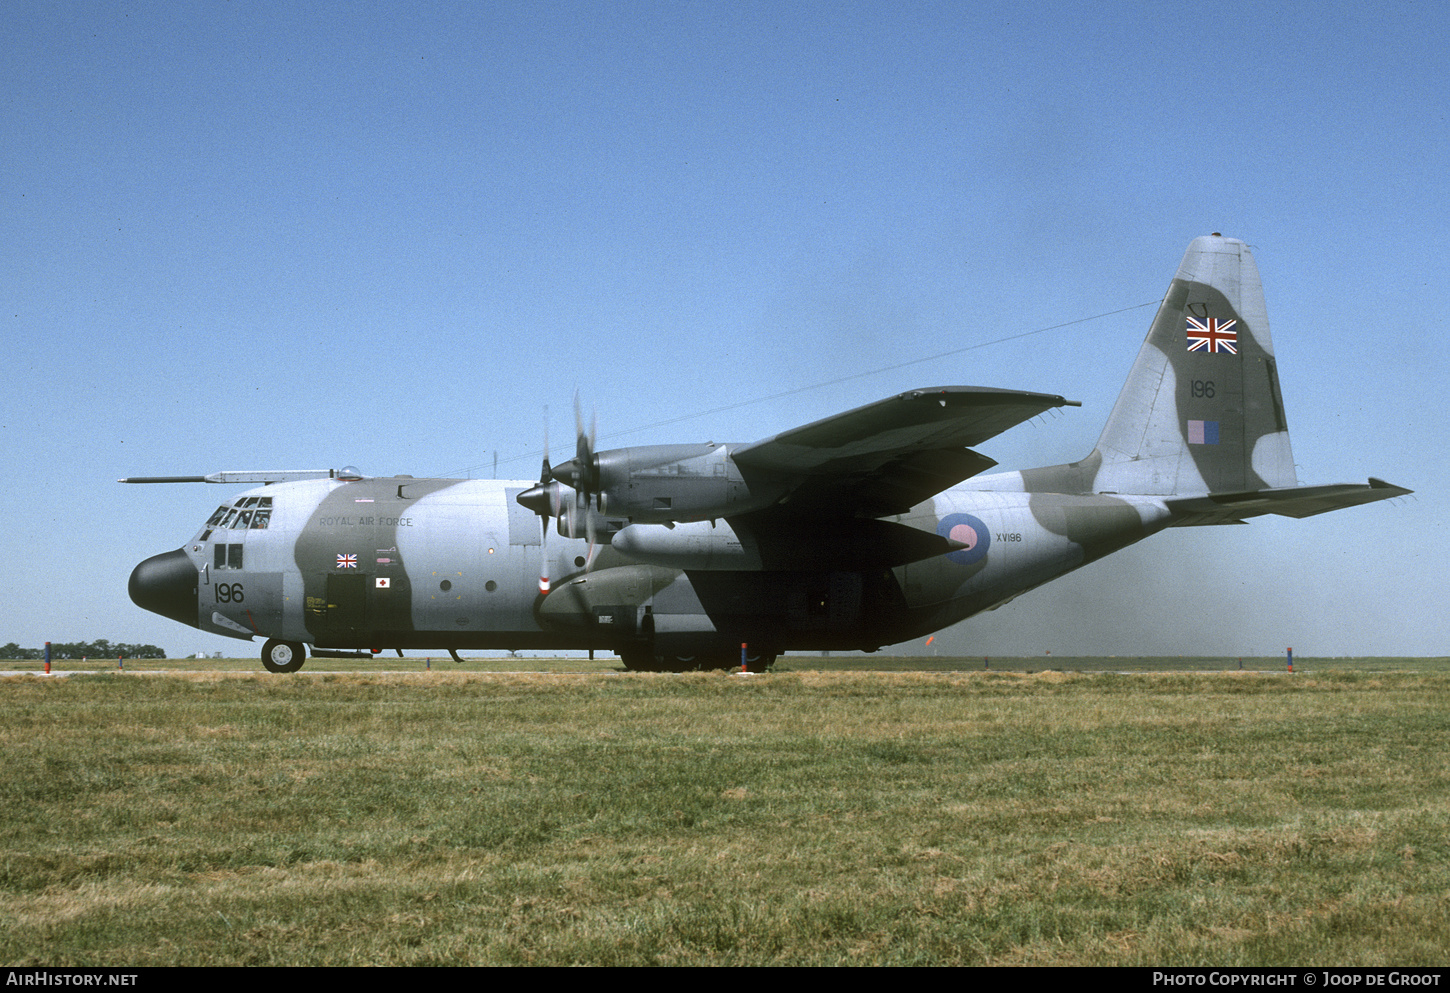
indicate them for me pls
(166, 584)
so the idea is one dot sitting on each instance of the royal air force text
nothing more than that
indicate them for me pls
(364, 522)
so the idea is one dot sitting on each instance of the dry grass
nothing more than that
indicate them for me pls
(905, 818)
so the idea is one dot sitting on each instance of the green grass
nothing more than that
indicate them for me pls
(995, 818)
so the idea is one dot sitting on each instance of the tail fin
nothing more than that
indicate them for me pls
(1201, 411)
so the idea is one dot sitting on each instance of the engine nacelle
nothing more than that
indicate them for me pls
(707, 545)
(658, 484)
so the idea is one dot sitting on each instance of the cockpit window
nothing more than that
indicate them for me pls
(262, 515)
(250, 513)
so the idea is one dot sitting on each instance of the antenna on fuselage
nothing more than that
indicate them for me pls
(253, 476)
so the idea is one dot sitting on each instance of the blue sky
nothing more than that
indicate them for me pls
(244, 235)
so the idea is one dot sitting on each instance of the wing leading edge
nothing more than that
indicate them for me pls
(888, 456)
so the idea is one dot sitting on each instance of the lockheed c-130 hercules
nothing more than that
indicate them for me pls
(858, 531)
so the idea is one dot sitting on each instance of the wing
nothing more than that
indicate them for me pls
(887, 456)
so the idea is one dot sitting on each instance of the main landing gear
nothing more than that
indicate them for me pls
(643, 660)
(283, 656)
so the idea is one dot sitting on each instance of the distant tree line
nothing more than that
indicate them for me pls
(101, 649)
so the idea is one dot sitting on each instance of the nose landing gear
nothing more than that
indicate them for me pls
(283, 656)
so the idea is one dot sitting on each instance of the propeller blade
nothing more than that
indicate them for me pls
(544, 520)
(586, 466)
(593, 542)
(544, 501)
(546, 498)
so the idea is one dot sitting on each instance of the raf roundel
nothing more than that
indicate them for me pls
(969, 531)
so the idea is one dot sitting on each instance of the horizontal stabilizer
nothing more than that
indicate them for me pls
(1292, 501)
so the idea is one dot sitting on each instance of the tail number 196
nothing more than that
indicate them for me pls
(228, 592)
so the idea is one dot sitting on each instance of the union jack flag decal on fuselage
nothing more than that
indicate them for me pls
(1212, 335)
(347, 561)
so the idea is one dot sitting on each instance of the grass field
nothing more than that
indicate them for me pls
(801, 817)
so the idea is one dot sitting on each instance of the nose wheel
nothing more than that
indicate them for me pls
(283, 656)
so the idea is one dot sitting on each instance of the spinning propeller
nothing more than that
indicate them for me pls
(583, 475)
(582, 471)
(546, 499)
(543, 499)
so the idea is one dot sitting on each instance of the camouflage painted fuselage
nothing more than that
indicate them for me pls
(427, 563)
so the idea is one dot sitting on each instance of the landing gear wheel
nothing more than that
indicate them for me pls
(644, 660)
(283, 656)
(759, 663)
(639, 660)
